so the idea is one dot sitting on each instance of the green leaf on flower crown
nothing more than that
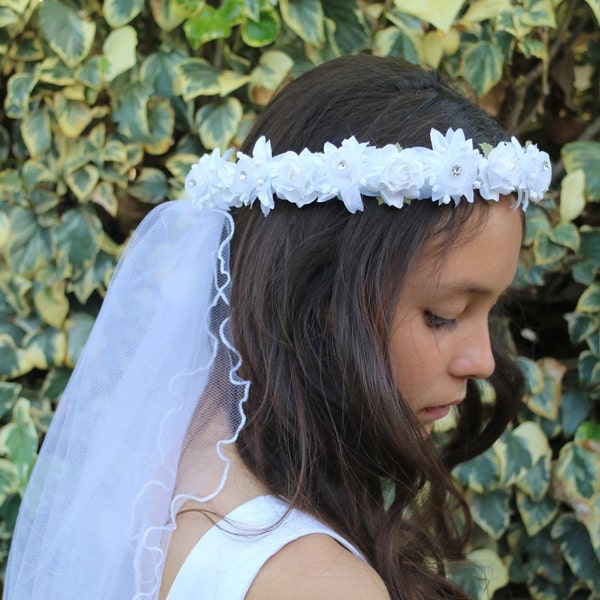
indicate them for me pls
(119, 52)
(536, 515)
(481, 66)
(584, 155)
(491, 511)
(120, 12)
(9, 392)
(263, 32)
(351, 33)
(392, 41)
(70, 35)
(217, 123)
(196, 77)
(209, 24)
(78, 328)
(577, 549)
(29, 245)
(19, 441)
(305, 18)
(19, 88)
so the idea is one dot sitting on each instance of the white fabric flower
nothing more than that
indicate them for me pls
(499, 172)
(209, 181)
(342, 169)
(299, 176)
(456, 162)
(265, 169)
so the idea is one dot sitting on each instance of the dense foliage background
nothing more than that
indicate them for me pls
(106, 105)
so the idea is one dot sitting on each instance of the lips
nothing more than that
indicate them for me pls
(434, 413)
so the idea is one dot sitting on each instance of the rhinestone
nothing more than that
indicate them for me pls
(456, 170)
(342, 165)
(243, 176)
(546, 165)
(191, 182)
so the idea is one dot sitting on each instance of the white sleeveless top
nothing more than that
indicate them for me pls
(226, 559)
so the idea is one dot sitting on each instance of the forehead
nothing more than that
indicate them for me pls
(481, 259)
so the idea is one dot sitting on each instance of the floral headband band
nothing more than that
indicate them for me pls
(447, 171)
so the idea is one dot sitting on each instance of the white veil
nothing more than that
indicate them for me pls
(114, 467)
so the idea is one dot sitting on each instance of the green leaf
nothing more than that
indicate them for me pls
(120, 12)
(78, 328)
(13, 361)
(95, 279)
(151, 186)
(131, 112)
(30, 47)
(206, 26)
(577, 549)
(54, 384)
(482, 10)
(481, 66)
(595, 6)
(218, 122)
(539, 13)
(392, 41)
(9, 392)
(546, 252)
(51, 302)
(585, 156)
(491, 511)
(351, 34)
(575, 473)
(572, 195)
(72, 116)
(91, 73)
(119, 51)
(19, 88)
(534, 376)
(272, 69)
(78, 237)
(16, 292)
(9, 479)
(547, 403)
(481, 473)
(514, 455)
(263, 32)
(36, 133)
(161, 119)
(575, 407)
(440, 14)
(196, 77)
(104, 196)
(588, 257)
(68, 33)
(82, 181)
(536, 482)
(29, 245)
(536, 515)
(53, 70)
(46, 348)
(589, 301)
(588, 367)
(588, 435)
(567, 235)
(19, 441)
(481, 574)
(305, 18)
(582, 325)
(229, 81)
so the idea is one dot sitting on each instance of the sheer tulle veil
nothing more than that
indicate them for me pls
(141, 424)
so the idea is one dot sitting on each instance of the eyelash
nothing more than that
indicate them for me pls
(436, 322)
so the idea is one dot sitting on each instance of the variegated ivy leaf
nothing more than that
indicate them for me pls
(161, 119)
(534, 375)
(588, 367)
(46, 348)
(393, 41)
(82, 181)
(305, 18)
(120, 12)
(68, 33)
(595, 6)
(103, 195)
(536, 481)
(169, 14)
(4, 229)
(481, 473)
(9, 479)
(72, 116)
(536, 515)
(53, 70)
(273, 67)
(150, 186)
(30, 48)
(351, 31)
(9, 392)
(491, 511)
(95, 279)
(180, 164)
(78, 328)
(217, 123)
(16, 292)
(131, 112)
(209, 24)
(584, 155)
(8, 17)
(481, 65)
(547, 252)
(262, 32)
(18, 92)
(4, 144)
(13, 361)
(196, 77)
(29, 245)
(440, 13)
(36, 132)
(514, 457)
(119, 52)
(547, 403)
(19, 441)
(51, 302)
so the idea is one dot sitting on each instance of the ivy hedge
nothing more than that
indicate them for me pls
(107, 104)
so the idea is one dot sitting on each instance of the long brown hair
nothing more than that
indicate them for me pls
(314, 294)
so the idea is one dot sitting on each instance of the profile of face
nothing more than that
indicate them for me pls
(440, 334)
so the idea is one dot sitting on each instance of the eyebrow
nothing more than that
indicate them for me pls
(471, 289)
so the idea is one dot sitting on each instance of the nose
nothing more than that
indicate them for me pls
(474, 358)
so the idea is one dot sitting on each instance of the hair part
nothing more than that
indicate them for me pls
(314, 296)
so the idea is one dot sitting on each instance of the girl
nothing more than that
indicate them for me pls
(257, 425)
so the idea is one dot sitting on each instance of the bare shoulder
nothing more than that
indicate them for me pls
(316, 566)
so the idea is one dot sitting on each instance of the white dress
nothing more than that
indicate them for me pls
(225, 561)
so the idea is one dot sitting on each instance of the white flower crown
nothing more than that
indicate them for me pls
(447, 171)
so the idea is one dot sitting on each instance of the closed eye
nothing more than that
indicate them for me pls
(436, 322)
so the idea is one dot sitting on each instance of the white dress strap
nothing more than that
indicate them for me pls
(225, 561)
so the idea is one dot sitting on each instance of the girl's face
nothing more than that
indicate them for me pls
(440, 335)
